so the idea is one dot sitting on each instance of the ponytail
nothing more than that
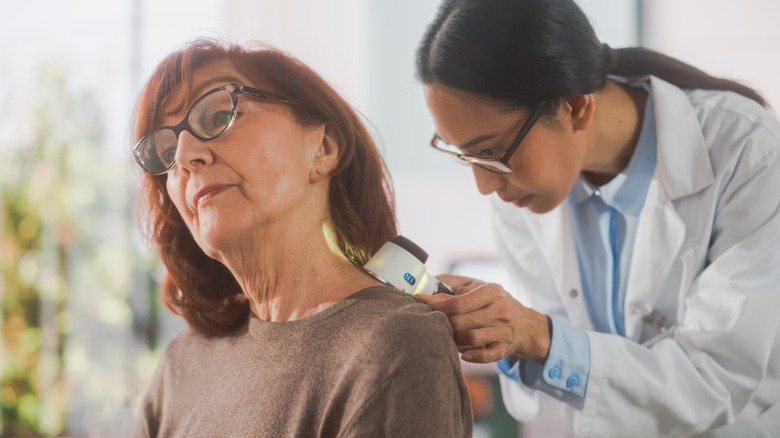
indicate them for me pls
(638, 61)
(521, 53)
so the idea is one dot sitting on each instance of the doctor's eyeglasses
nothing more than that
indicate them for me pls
(208, 118)
(489, 162)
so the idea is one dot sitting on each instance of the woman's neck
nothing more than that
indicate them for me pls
(290, 275)
(619, 115)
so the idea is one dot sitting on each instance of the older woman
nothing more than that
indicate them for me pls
(263, 195)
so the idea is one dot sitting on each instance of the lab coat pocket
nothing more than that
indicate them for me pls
(659, 320)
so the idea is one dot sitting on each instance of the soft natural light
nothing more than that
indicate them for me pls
(81, 324)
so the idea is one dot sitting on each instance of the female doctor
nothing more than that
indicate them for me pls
(637, 207)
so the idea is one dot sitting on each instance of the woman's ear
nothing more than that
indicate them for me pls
(581, 110)
(326, 153)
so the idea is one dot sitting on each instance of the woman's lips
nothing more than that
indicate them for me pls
(207, 192)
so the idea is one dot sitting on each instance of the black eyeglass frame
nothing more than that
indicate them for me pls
(184, 125)
(504, 158)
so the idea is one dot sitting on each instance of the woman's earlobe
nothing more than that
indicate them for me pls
(317, 174)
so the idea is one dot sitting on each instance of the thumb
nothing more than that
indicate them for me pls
(457, 283)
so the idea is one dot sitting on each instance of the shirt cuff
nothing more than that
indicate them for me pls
(567, 367)
(509, 367)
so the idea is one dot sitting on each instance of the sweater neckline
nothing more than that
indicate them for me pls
(273, 329)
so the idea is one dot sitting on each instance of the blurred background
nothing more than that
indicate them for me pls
(81, 324)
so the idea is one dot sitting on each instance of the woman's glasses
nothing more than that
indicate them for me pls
(495, 164)
(208, 118)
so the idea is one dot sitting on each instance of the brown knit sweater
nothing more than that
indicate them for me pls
(376, 364)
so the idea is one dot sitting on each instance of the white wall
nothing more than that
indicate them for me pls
(737, 40)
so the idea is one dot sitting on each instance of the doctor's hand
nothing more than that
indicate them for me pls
(489, 324)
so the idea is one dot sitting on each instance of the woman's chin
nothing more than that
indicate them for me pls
(216, 243)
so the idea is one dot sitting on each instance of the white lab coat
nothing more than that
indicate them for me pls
(705, 266)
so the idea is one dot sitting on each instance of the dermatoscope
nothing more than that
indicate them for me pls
(401, 263)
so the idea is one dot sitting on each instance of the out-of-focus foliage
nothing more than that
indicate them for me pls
(68, 267)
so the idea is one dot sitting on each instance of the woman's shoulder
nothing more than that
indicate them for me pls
(190, 343)
(386, 297)
(391, 304)
(729, 113)
(399, 320)
(737, 131)
(390, 299)
(181, 347)
(725, 117)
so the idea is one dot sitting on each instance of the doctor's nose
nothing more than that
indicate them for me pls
(487, 181)
(192, 154)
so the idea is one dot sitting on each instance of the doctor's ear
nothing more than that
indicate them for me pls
(326, 152)
(580, 110)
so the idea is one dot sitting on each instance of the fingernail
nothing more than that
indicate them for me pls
(466, 356)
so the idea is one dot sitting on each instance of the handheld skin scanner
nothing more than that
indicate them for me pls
(401, 264)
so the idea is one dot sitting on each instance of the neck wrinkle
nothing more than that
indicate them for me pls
(294, 282)
(268, 272)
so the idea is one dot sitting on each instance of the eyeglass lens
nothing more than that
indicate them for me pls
(491, 165)
(208, 118)
(454, 152)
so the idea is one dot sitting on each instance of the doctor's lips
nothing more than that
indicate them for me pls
(522, 202)
(207, 192)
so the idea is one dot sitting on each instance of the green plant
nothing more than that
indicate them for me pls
(67, 259)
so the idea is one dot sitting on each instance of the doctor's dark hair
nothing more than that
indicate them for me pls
(519, 53)
(361, 202)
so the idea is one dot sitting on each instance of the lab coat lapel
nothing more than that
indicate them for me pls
(659, 237)
(561, 258)
(683, 168)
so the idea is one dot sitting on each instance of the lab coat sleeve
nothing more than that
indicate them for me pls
(521, 253)
(521, 402)
(565, 372)
(519, 248)
(710, 366)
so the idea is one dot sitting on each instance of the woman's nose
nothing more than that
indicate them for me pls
(487, 181)
(191, 153)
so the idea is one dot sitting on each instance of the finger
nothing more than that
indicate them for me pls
(471, 301)
(483, 317)
(483, 336)
(491, 353)
(430, 299)
(465, 348)
(457, 282)
(439, 303)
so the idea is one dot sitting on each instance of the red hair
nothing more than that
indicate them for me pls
(201, 289)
